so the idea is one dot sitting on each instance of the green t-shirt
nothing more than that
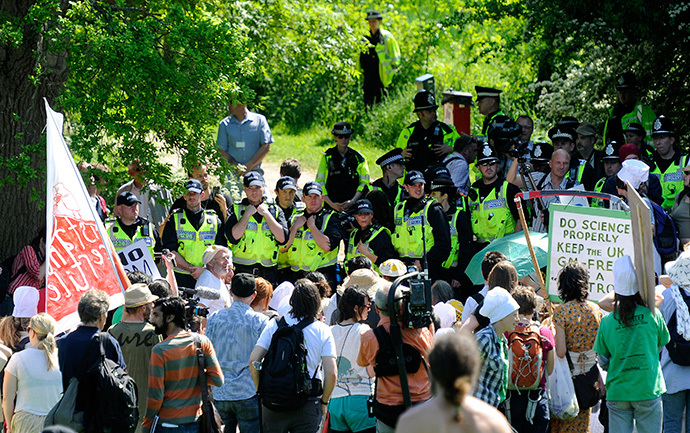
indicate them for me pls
(634, 372)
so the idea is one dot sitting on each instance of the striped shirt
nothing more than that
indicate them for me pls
(30, 266)
(493, 378)
(174, 391)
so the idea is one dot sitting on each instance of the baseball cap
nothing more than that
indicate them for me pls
(243, 285)
(253, 178)
(127, 198)
(312, 188)
(194, 185)
(363, 206)
(412, 177)
(286, 182)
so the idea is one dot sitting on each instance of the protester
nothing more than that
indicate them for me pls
(502, 275)
(33, 379)
(576, 323)
(217, 262)
(634, 383)
(501, 310)
(137, 337)
(264, 294)
(454, 363)
(348, 405)
(28, 269)
(234, 332)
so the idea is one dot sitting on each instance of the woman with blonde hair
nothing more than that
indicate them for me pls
(33, 378)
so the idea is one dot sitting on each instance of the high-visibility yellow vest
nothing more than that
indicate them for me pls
(304, 253)
(192, 243)
(352, 250)
(257, 245)
(121, 240)
(389, 57)
(407, 238)
(671, 181)
(491, 218)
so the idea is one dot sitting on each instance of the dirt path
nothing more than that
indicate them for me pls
(272, 174)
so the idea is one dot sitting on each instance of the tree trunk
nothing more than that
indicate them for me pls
(22, 120)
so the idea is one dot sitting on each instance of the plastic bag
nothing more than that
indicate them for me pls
(562, 399)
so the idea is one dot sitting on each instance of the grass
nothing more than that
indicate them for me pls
(308, 146)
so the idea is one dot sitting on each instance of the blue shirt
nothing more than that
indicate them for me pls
(677, 376)
(243, 139)
(234, 332)
(492, 383)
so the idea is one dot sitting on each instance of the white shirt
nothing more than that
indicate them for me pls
(471, 304)
(209, 281)
(38, 389)
(352, 379)
(317, 336)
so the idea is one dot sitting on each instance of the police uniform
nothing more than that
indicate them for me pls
(493, 211)
(305, 255)
(488, 92)
(378, 62)
(620, 117)
(670, 171)
(342, 176)
(377, 236)
(420, 140)
(421, 228)
(123, 236)
(395, 193)
(256, 252)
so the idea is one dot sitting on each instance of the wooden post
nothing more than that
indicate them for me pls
(644, 246)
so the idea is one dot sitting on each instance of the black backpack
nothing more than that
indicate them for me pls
(665, 233)
(678, 347)
(112, 395)
(284, 381)
(386, 360)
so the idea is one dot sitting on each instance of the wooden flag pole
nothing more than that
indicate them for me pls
(644, 246)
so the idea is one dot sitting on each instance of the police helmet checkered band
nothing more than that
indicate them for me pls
(391, 160)
(609, 149)
(537, 151)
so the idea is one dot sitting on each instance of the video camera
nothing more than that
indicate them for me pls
(193, 312)
(504, 133)
(415, 305)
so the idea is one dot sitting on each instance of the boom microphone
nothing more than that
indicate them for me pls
(203, 292)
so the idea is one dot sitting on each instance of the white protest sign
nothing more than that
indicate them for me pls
(136, 257)
(595, 237)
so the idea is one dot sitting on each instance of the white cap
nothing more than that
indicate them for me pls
(498, 304)
(25, 301)
(624, 276)
(634, 171)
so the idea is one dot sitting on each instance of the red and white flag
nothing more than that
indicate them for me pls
(80, 254)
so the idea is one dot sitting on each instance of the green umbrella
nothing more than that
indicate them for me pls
(515, 249)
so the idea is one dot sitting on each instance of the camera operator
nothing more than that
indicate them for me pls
(388, 400)
(494, 213)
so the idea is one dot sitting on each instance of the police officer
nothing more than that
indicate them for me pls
(287, 201)
(315, 236)
(378, 63)
(187, 233)
(421, 228)
(668, 162)
(343, 172)
(628, 109)
(457, 212)
(427, 140)
(492, 207)
(369, 239)
(255, 229)
(128, 227)
(612, 165)
(489, 105)
(393, 168)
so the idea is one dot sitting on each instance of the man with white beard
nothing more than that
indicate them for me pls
(217, 262)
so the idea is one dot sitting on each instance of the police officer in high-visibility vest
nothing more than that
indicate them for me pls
(492, 204)
(392, 166)
(668, 161)
(426, 141)
(286, 191)
(315, 236)
(635, 134)
(628, 109)
(626, 152)
(457, 212)
(188, 231)
(369, 238)
(564, 137)
(128, 227)
(421, 228)
(255, 230)
(612, 165)
(343, 172)
(489, 105)
(380, 60)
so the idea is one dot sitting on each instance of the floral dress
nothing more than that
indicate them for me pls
(580, 320)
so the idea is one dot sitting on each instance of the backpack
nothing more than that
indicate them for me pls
(678, 347)
(665, 234)
(284, 381)
(112, 400)
(111, 396)
(525, 366)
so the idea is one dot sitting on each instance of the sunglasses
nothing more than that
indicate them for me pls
(343, 136)
(487, 164)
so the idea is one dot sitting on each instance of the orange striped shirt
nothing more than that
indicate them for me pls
(174, 391)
